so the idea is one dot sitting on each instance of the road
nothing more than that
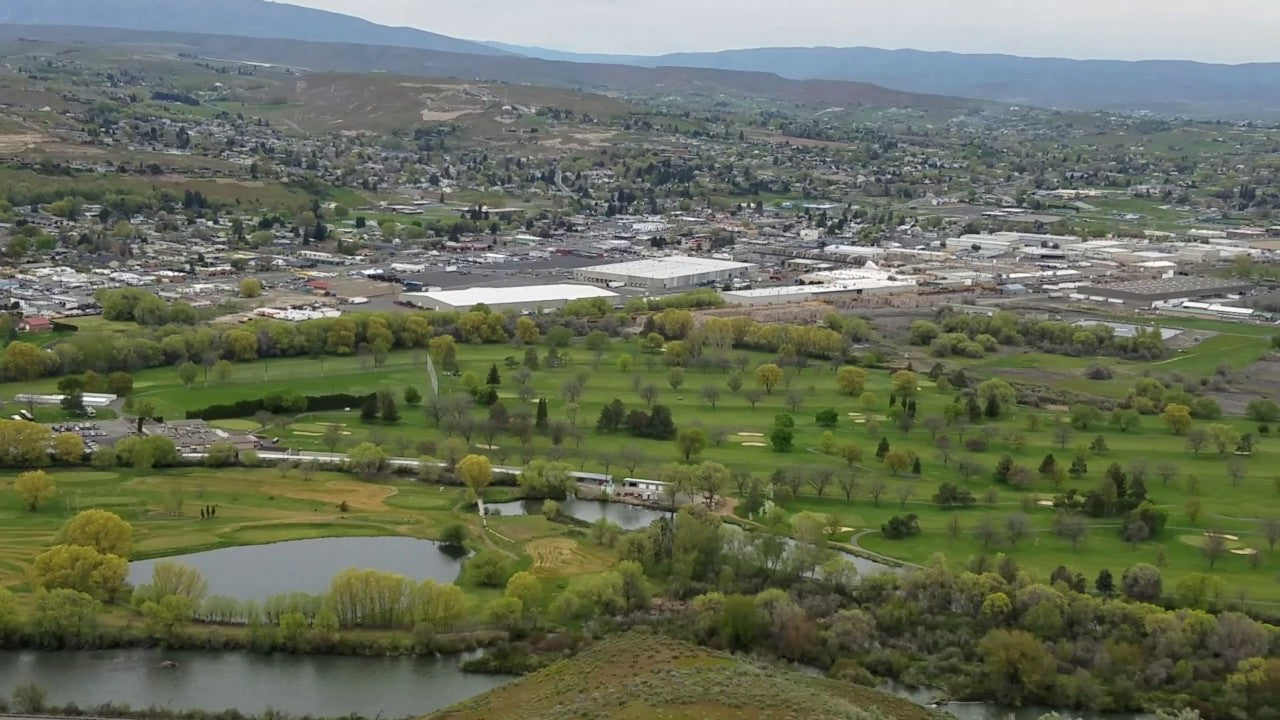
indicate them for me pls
(325, 458)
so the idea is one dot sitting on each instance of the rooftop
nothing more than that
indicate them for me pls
(471, 297)
(1176, 285)
(668, 267)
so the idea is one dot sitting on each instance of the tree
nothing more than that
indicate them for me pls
(1177, 418)
(1016, 665)
(24, 361)
(187, 373)
(897, 461)
(691, 442)
(986, 532)
(1062, 434)
(1263, 410)
(782, 439)
(1214, 546)
(851, 454)
(412, 396)
(250, 288)
(953, 496)
(904, 383)
(80, 568)
(734, 381)
(675, 377)
(545, 479)
(222, 371)
(1085, 417)
(64, 615)
(996, 394)
(768, 377)
(1270, 530)
(877, 490)
(1197, 439)
(68, 448)
(753, 396)
(711, 479)
(1105, 584)
(827, 418)
(1224, 437)
(34, 488)
(1017, 526)
(476, 473)
(387, 407)
(103, 531)
(367, 460)
(1069, 527)
(820, 479)
(1142, 583)
(851, 380)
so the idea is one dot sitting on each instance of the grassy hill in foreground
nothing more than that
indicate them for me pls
(638, 676)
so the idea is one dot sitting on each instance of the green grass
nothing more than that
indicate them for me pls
(1233, 509)
(254, 506)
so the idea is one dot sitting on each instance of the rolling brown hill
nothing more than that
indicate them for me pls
(639, 676)
(349, 57)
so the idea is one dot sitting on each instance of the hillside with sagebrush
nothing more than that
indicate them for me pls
(637, 676)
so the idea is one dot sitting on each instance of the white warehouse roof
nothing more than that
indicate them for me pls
(528, 294)
(667, 267)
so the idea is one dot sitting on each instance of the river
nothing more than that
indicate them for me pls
(318, 685)
(255, 572)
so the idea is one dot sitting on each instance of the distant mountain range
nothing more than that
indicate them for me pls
(1168, 87)
(513, 69)
(1164, 86)
(243, 18)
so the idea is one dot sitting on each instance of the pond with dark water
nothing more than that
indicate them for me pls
(256, 572)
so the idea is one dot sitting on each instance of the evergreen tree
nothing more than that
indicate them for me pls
(993, 406)
(1105, 583)
(882, 449)
(494, 378)
(915, 466)
(972, 409)
(1003, 468)
(369, 410)
(1048, 464)
(540, 420)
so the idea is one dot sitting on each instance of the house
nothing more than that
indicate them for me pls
(35, 324)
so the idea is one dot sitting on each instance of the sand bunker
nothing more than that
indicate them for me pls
(754, 444)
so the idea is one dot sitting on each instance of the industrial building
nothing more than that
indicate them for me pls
(667, 273)
(524, 298)
(1165, 291)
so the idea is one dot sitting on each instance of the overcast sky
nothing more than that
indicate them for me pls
(1208, 30)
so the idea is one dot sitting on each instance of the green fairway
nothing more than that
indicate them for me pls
(253, 506)
(738, 437)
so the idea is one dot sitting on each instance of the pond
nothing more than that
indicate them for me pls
(630, 517)
(319, 685)
(256, 572)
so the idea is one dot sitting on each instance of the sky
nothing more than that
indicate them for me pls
(1207, 30)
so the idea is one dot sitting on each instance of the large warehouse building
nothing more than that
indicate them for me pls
(666, 273)
(1166, 291)
(525, 298)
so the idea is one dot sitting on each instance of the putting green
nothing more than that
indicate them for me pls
(1232, 542)
(236, 425)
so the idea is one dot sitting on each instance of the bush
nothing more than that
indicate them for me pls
(279, 402)
(1098, 371)
(487, 568)
(454, 535)
(901, 526)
